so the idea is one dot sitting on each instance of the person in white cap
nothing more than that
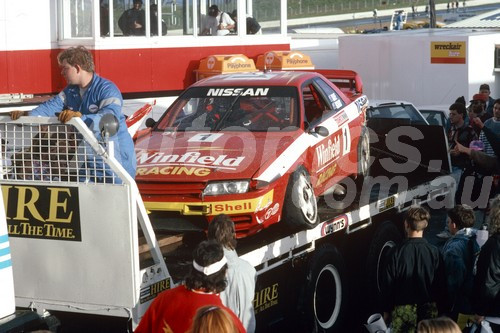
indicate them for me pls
(174, 309)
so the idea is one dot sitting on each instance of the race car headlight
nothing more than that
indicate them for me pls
(229, 187)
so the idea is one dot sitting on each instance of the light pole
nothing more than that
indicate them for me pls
(432, 14)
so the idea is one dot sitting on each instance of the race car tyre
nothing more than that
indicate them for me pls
(385, 238)
(364, 153)
(300, 206)
(325, 302)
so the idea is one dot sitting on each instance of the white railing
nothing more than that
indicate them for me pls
(43, 149)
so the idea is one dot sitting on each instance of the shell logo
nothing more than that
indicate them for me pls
(269, 58)
(210, 63)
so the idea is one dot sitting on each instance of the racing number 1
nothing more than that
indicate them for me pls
(347, 140)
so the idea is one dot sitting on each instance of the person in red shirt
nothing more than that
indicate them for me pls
(174, 309)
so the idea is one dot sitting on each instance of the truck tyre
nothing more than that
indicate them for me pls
(364, 154)
(325, 299)
(385, 238)
(301, 206)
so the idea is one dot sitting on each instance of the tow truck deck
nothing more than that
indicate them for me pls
(88, 247)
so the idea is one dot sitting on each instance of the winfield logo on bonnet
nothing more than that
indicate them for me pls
(191, 158)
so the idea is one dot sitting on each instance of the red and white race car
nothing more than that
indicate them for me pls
(260, 147)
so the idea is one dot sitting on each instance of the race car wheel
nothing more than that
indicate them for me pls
(364, 153)
(300, 208)
(385, 238)
(325, 302)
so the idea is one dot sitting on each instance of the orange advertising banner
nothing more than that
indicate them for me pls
(448, 52)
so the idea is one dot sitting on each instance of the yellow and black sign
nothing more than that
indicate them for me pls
(448, 52)
(45, 212)
(266, 298)
(150, 292)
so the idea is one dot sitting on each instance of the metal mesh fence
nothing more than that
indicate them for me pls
(51, 153)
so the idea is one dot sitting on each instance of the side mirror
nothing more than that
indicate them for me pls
(108, 125)
(150, 122)
(321, 130)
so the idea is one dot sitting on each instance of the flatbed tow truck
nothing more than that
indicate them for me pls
(82, 242)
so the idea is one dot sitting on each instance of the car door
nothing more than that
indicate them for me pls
(323, 106)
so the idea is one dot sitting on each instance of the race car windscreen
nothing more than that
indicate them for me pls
(255, 109)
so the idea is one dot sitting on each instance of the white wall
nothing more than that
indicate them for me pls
(27, 24)
(397, 65)
(481, 49)
(323, 48)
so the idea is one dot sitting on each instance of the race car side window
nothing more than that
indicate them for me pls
(315, 105)
(336, 103)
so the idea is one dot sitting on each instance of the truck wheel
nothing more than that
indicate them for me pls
(300, 207)
(364, 154)
(325, 294)
(385, 238)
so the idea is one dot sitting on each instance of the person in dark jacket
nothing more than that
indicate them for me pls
(133, 21)
(486, 163)
(413, 282)
(459, 254)
(486, 296)
(477, 109)
(153, 14)
(485, 90)
(463, 133)
(253, 27)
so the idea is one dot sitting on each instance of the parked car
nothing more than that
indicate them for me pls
(436, 114)
(260, 147)
(405, 111)
(383, 117)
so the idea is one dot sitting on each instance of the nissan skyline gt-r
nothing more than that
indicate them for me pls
(260, 147)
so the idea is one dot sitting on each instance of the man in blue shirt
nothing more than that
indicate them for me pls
(89, 97)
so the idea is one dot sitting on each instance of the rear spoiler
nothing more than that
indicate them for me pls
(348, 81)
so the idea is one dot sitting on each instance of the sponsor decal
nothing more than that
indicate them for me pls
(93, 108)
(237, 91)
(448, 52)
(386, 204)
(173, 171)
(150, 292)
(45, 212)
(294, 61)
(327, 174)
(272, 211)
(361, 102)
(341, 118)
(243, 206)
(338, 223)
(216, 207)
(205, 137)
(239, 65)
(333, 97)
(329, 152)
(188, 158)
(232, 207)
(266, 298)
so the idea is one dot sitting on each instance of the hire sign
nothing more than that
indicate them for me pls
(45, 212)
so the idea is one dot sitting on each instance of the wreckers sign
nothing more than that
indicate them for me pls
(46, 212)
(448, 52)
